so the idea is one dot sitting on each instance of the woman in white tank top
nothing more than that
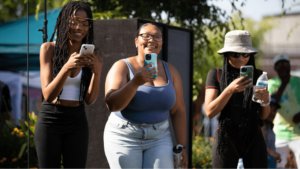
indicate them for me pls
(68, 79)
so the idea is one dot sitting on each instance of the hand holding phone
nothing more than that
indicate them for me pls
(151, 58)
(90, 59)
(247, 70)
(143, 76)
(87, 48)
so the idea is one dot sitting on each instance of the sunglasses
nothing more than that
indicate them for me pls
(236, 55)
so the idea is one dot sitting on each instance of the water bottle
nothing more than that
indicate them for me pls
(262, 83)
(240, 164)
(177, 150)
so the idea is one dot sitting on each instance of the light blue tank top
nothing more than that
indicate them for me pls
(150, 104)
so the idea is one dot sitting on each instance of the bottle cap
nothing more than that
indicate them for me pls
(177, 149)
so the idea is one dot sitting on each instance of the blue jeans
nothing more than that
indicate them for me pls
(128, 145)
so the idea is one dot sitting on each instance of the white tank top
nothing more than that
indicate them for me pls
(71, 88)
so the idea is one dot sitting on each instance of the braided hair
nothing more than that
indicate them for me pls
(248, 126)
(61, 52)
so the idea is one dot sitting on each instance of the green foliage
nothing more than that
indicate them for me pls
(201, 152)
(201, 147)
(206, 58)
(111, 14)
(14, 147)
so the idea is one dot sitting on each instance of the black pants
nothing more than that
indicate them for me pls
(63, 133)
(256, 157)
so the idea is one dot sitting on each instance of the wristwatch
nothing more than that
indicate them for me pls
(179, 145)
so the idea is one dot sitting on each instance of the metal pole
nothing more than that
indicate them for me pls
(27, 103)
(45, 22)
(44, 30)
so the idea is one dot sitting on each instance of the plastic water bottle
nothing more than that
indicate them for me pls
(262, 83)
(263, 80)
(240, 164)
(177, 150)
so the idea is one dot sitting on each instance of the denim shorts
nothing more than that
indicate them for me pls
(128, 145)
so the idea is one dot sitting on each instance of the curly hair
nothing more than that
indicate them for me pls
(248, 125)
(61, 52)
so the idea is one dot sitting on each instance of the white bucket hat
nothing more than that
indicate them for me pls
(238, 41)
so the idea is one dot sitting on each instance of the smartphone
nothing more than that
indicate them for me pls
(151, 58)
(247, 70)
(87, 48)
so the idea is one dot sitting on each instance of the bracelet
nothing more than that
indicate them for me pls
(266, 104)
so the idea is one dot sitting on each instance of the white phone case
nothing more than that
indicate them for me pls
(87, 48)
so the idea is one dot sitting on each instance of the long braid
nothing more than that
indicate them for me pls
(223, 143)
(248, 126)
(61, 52)
(249, 123)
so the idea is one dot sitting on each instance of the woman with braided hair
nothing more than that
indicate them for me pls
(68, 79)
(238, 134)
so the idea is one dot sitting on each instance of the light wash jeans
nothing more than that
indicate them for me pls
(129, 145)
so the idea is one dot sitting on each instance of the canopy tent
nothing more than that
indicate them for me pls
(13, 41)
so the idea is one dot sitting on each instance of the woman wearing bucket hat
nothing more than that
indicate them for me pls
(238, 134)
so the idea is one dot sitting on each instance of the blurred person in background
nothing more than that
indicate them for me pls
(5, 105)
(269, 135)
(286, 90)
